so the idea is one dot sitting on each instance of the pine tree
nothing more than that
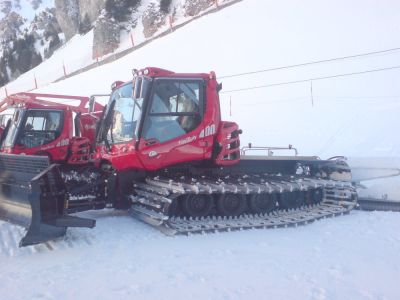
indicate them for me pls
(85, 25)
(165, 6)
(120, 9)
(35, 4)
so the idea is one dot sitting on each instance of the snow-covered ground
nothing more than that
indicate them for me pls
(351, 257)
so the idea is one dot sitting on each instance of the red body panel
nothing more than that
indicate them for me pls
(79, 151)
(121, 156)
(87, 124)
(228, 139)
(185, 148)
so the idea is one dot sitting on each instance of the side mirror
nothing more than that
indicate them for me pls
(91, 103)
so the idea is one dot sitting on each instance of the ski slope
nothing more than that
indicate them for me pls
(350, 257)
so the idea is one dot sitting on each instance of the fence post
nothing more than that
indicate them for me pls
(65, 72)
(5, 88)
(171, 22)
(34, 78)
(97, 57)
(230, 106)
(133, 44)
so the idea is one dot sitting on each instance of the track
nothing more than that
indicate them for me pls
(153, 199)
(291, 218)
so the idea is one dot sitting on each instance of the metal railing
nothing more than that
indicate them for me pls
(92, 101)
(269, 150)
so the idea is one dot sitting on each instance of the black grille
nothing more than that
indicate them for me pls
(21, 168)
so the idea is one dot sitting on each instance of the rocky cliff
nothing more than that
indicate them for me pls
(23, 44)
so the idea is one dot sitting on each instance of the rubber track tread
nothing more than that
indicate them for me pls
(333, 204)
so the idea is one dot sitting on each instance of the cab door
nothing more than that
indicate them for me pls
(171, 132)
(123, 117)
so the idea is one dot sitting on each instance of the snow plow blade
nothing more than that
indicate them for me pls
(33, 195)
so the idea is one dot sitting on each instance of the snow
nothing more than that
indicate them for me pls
(52, 68)
(126, 259)
(349, 257)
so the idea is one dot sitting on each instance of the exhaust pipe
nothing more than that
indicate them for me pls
(33, 195)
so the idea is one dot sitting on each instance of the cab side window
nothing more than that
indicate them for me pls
(40, 128)
(176, 109)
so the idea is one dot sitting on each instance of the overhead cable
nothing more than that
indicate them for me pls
(311, 63)
(311, 79)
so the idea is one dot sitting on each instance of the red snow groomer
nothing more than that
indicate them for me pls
(161, 150)
(61, 134)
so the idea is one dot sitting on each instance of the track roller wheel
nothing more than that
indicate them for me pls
(301, 198)
(231, 204)
(309, 197)
(262, 203)
(314, 196)
(197, 205)
(289, 200)
(173, 209)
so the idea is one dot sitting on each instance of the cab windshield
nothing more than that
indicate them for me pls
(5, 116)
(127, 111)
(33, 128)
(12, 132)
